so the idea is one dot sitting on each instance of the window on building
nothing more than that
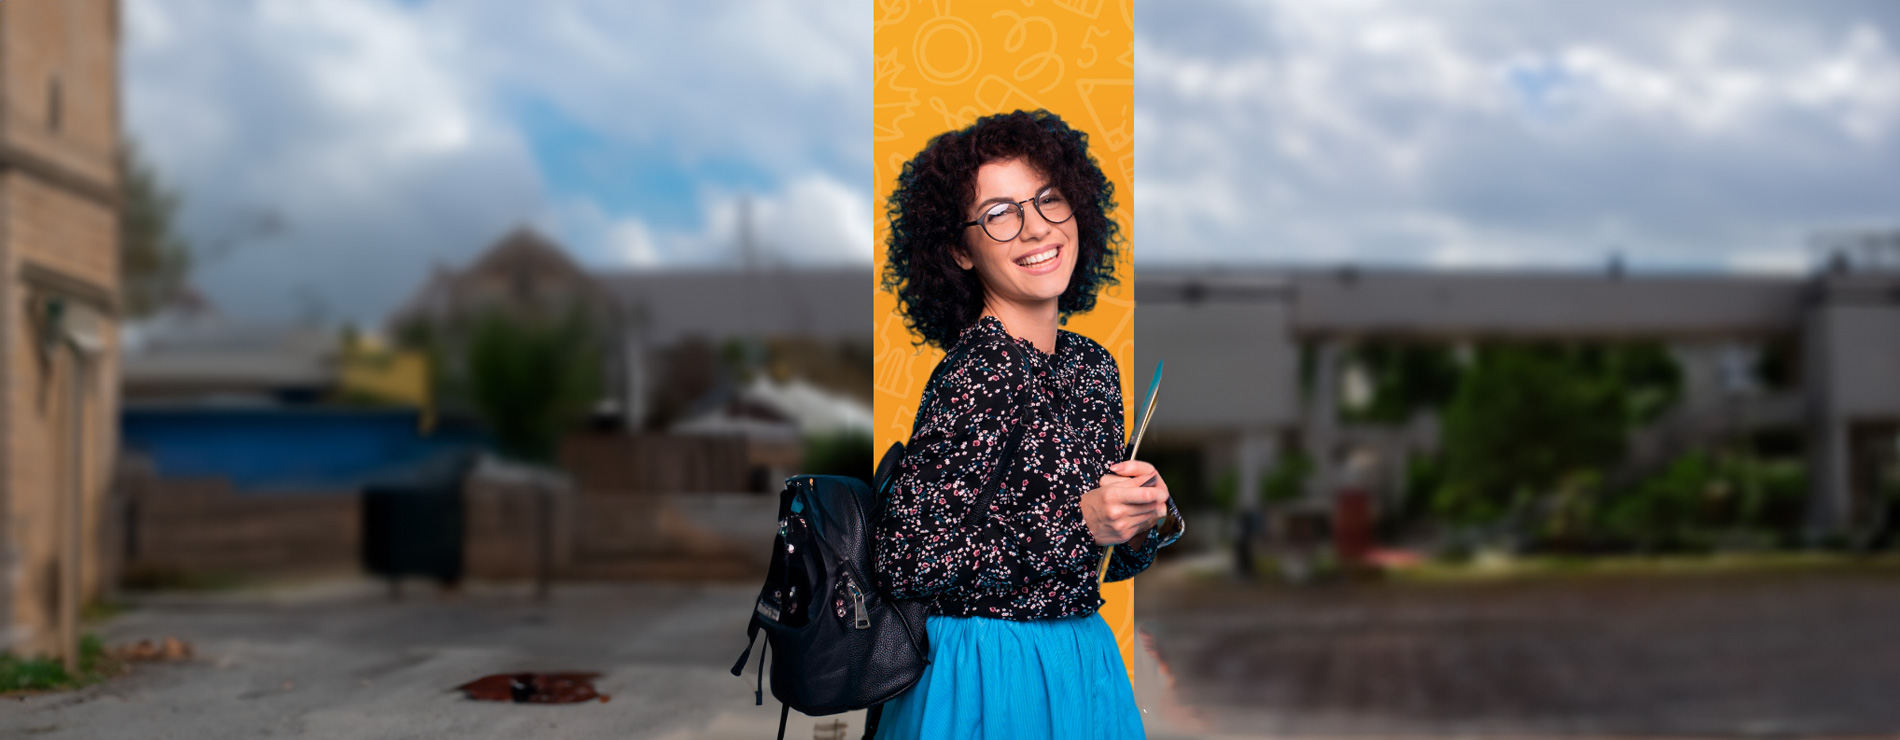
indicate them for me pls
(54, 104)
(524, 285)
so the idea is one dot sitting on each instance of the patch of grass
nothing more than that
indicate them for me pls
(1499, 567)
(100, 611)
(153, 579)
(49, 674)
(1492, 566)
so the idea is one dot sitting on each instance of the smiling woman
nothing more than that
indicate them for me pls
(1020, 260)
(964, 174)
(999, 232)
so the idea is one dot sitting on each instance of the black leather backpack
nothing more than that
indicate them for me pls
(841, 645)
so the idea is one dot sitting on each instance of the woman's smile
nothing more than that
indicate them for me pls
(1028, 272)
(1042, 260)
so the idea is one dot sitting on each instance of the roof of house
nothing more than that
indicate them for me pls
(188, 349)
(522, 271)
(825, 303)
(667, 305)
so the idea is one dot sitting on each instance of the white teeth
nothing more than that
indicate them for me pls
(1039, 258)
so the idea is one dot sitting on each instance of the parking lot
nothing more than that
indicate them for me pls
(1794, 654)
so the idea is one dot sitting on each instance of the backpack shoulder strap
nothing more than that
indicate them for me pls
(995, 481)
(887, 470)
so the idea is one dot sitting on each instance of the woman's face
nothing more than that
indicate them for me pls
(1032, 269)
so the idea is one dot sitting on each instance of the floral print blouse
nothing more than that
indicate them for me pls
(1031, 555)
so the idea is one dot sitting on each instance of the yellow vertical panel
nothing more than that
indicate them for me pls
(940, 65)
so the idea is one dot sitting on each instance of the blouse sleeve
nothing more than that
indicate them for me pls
(1128, 563)
(1104, 391)
(923, 546)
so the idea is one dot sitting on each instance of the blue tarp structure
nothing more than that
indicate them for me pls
(283, 449)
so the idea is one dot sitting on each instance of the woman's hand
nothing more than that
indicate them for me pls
(1122, 508)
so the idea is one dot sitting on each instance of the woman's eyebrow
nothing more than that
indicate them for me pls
(1006, 199)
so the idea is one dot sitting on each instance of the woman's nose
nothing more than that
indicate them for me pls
(1034, 225)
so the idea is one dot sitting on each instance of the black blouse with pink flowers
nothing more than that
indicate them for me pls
(1032, 556)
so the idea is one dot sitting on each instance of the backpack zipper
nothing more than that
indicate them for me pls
(857, 602)
(863, 617)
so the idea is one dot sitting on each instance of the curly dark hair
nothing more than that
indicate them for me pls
(938, 298)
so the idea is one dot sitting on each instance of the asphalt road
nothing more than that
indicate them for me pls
(1791, 655)
(340, 660)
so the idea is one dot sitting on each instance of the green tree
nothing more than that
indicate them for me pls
(1406, 379)
(1661, 510)
(1284, 482)
(532, 381)
(153, 259)
(1526, 417)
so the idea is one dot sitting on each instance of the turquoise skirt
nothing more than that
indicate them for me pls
(995, 678)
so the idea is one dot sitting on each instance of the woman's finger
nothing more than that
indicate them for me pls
(1132, 468)
(1135, 495)
(1138, 494)
(1137, 509)
(1117, 482)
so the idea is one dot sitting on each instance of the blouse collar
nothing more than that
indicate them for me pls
(990, 325)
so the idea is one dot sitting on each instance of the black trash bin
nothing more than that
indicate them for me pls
(412, 521)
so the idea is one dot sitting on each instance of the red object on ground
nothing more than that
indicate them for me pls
(1352, 526)
(534, 688)
(1394, 558)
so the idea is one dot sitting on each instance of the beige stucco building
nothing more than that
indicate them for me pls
(59, 141)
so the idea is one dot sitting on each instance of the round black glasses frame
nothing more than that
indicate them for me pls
(1022, 215)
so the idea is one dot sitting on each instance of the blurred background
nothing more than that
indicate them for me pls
(1533, 369)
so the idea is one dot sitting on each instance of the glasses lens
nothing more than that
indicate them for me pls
(1003, 221)
(1053, 206)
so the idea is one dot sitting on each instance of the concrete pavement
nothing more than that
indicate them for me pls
(339, 659)
(1764, 655)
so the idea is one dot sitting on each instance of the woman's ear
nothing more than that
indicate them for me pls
(962, 254)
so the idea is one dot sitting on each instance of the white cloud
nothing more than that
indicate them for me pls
(1502, 134)
(347, 122)
(632, 242)
(388, 135)
(373, 63)
(779, 84)
(1770, 262)
(818, 219)
(814, 219)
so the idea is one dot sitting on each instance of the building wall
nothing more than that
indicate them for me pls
(1529, 305)
(71, 45)
(58, 237)
(1229, 365)
(1863, 363)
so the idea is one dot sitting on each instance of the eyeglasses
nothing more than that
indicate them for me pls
(1004, 221)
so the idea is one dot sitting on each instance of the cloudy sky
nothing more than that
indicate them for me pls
(330, 152)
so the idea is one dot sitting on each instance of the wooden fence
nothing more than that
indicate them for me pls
(178, 526)
(656, 463)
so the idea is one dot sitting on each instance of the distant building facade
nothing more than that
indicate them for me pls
(59, 201)
(1235, 341)
(661, 326)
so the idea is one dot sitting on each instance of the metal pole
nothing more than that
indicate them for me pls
(544, 565)
(1247, 503)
